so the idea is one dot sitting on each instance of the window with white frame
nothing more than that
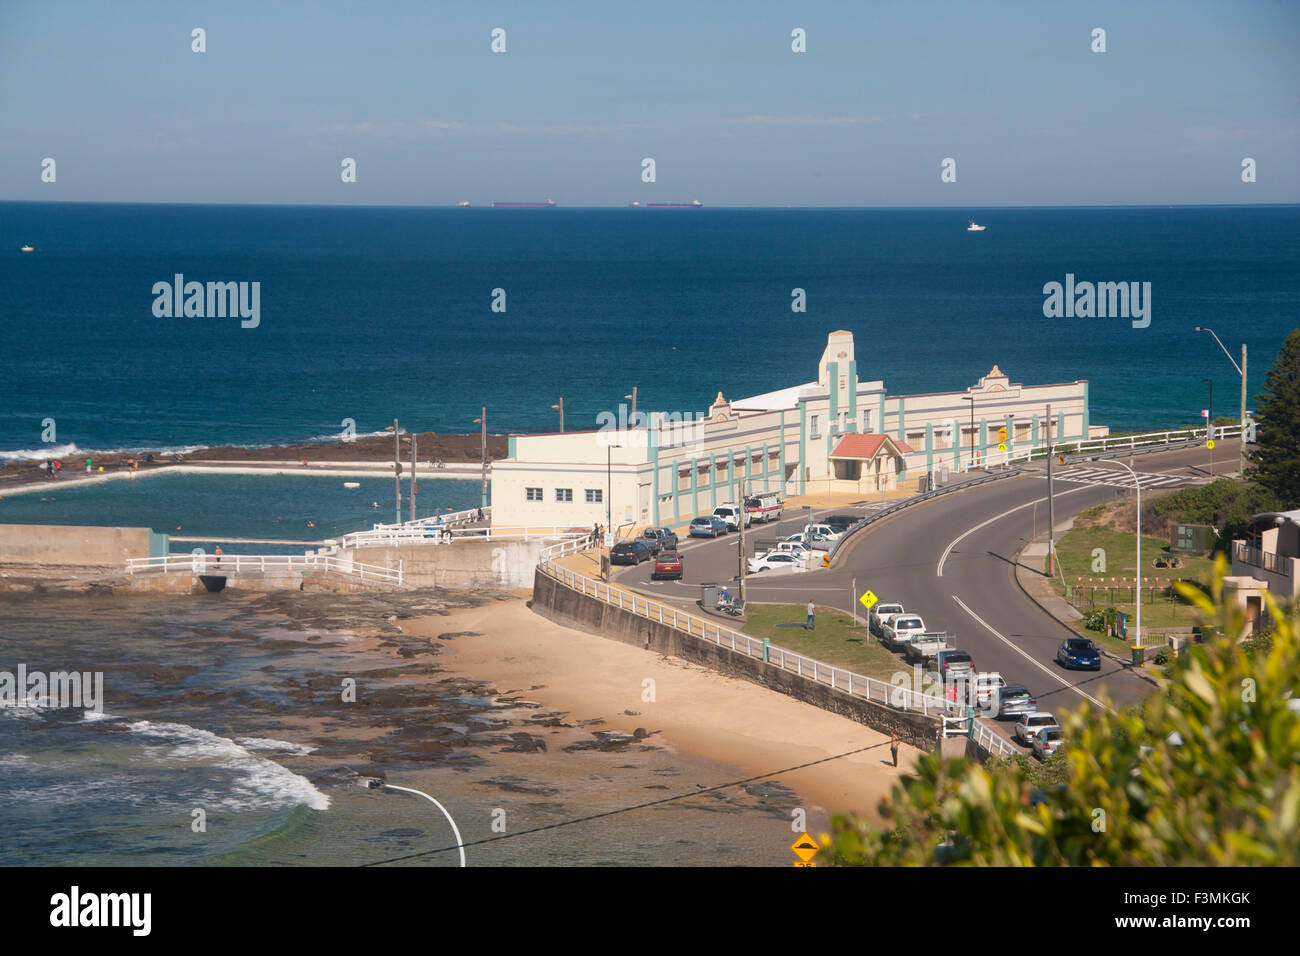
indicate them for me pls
(532, 494)
(563, 494)
(595, 496)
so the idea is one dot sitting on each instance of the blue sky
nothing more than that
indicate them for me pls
(712, 92)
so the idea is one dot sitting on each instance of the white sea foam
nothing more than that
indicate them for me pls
(259, 782)
(277, 746)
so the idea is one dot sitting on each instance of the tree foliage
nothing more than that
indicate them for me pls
(1205, 773)
(1277, 452)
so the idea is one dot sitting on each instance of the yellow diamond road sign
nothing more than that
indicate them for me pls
(1210, 444)
(805, 847)
(868, 599)
(1002, 446)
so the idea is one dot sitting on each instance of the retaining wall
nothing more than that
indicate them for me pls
(465, 563)
(75, 545)
(586, 613)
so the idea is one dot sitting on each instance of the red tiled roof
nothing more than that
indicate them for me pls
(866, 446)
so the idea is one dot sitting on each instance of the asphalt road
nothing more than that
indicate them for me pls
(952, 561)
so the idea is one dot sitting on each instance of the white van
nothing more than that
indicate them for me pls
(732, 513)
(763, 507)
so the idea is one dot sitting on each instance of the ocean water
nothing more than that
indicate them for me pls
(242, 506)
(376, 313)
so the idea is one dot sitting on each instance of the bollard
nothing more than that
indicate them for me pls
(767, 649)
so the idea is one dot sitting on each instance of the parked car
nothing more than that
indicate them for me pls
(707, 526)
(923, 647)
(763, 507)
(659, 539)
(841, 523)
(824, 530)
(815, 542)
(901, 629)
(1079, 653)
(630, 552)
(668, 564)
(952, 664)
(1028, 725)
(1014, 700)
(880, 615)
(794, 547)
(732, 514)
(1047, 742)
(987, 685)
(776, 561)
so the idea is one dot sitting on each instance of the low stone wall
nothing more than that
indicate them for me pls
(466, 563)
(74, 545)
(586, 613)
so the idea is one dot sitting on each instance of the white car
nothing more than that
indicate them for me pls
(732, 514)
(881, 615)
(794, 547)
(815, 541)
(1028, 726)
(776, 561)
(902, 629)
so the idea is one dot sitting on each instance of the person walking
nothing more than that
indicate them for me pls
(219, 552)
(87, 466)
(57, 465)
(893, 746)
(811, 623)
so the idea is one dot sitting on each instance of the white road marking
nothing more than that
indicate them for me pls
(955, 541)
(1042, 667)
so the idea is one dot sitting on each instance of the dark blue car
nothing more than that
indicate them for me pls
(1078, 653)
(707, 526)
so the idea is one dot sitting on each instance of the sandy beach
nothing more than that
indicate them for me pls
(695, 710)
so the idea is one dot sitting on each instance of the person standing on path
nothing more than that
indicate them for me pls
(57, 465)
(811, 623)
(219, 552)
(893, 746)
(87, 466)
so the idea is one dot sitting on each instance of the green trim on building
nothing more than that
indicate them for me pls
(510, 446)
(929, 446)
(902, 423)
(1087, 418)
(803, 445)
(880, 425)
(853, 395)
(653, 447)
(833, 377)
(695, 485)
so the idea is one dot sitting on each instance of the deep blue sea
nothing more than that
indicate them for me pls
(376, 313)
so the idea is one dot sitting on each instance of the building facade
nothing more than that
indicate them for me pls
(836, 433)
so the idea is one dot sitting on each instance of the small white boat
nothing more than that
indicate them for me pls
(351, 484)
(974, 227)
(27, 249)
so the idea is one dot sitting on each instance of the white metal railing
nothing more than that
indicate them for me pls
(995, 744)
(448, 520)
(430, 532)
(856, 685)
(1093, 446)
(263, 564)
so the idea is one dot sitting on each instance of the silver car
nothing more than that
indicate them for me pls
(1028, 726)
(1047, 742)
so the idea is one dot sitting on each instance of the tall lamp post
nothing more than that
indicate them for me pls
(482, 420)
(1138, 583)
(632, 398)
(1241, 370)
(561, 410)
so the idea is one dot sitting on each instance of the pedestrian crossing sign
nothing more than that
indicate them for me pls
(1210, 444)
(868, 599)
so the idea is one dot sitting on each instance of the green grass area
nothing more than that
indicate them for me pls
(1075, 553)
(835, 641)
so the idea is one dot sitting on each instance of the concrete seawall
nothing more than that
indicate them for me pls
(77, 545)
(583, 612)
(467, 563)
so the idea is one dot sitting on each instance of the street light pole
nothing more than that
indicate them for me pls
(632, 419)
(561, 408)
(971, 399)
(1241, 370)
(1138, 573)
(1051, 507)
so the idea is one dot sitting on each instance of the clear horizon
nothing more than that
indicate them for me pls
(732, 116)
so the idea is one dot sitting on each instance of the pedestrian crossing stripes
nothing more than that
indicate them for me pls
(1122, 479)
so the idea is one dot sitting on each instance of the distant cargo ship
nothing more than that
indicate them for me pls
(524, 205)
(694, 204)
